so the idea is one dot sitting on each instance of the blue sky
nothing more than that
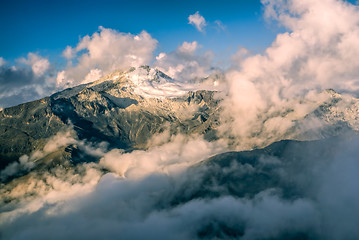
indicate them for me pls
(47, 27)
(46, 46)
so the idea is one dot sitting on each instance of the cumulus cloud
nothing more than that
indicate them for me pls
(198, 21)
(2, 61)
(28, 80)
(104, 52)
(94, 56)
(39, 65)
(186, 62)
(317, 52)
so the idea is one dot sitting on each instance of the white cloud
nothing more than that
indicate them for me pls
(318, 52)
(105, 51)
(67, 138)
(28, 80)
(198, 21)
(266, 93)
(186, 62)
(69, 53)
(23, 165)
(188, 48)
(93, 75)
(61, 78)
(2, 61)
(162, 206)
(38, 64)
(169, 158)
(319, 48)
(239, 56)
(59, 140)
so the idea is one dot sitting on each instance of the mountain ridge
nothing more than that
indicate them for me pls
(112, 110)
(124, 121)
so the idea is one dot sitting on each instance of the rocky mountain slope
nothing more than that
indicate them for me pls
(126, 109)
(108, 110)
(138, 148)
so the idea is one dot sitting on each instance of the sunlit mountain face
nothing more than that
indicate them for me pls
(117, 136)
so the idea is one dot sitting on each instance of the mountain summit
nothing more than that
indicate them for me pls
(124, 109)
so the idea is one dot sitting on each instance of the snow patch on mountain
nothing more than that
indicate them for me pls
(152, 83)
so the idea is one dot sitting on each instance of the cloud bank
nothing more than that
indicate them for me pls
(161, 204)
(317, 52)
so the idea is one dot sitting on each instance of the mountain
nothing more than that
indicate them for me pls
(126, 109)
(137, 150)
(110, 110)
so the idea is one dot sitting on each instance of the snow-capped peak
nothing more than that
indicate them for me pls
(151, 82)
